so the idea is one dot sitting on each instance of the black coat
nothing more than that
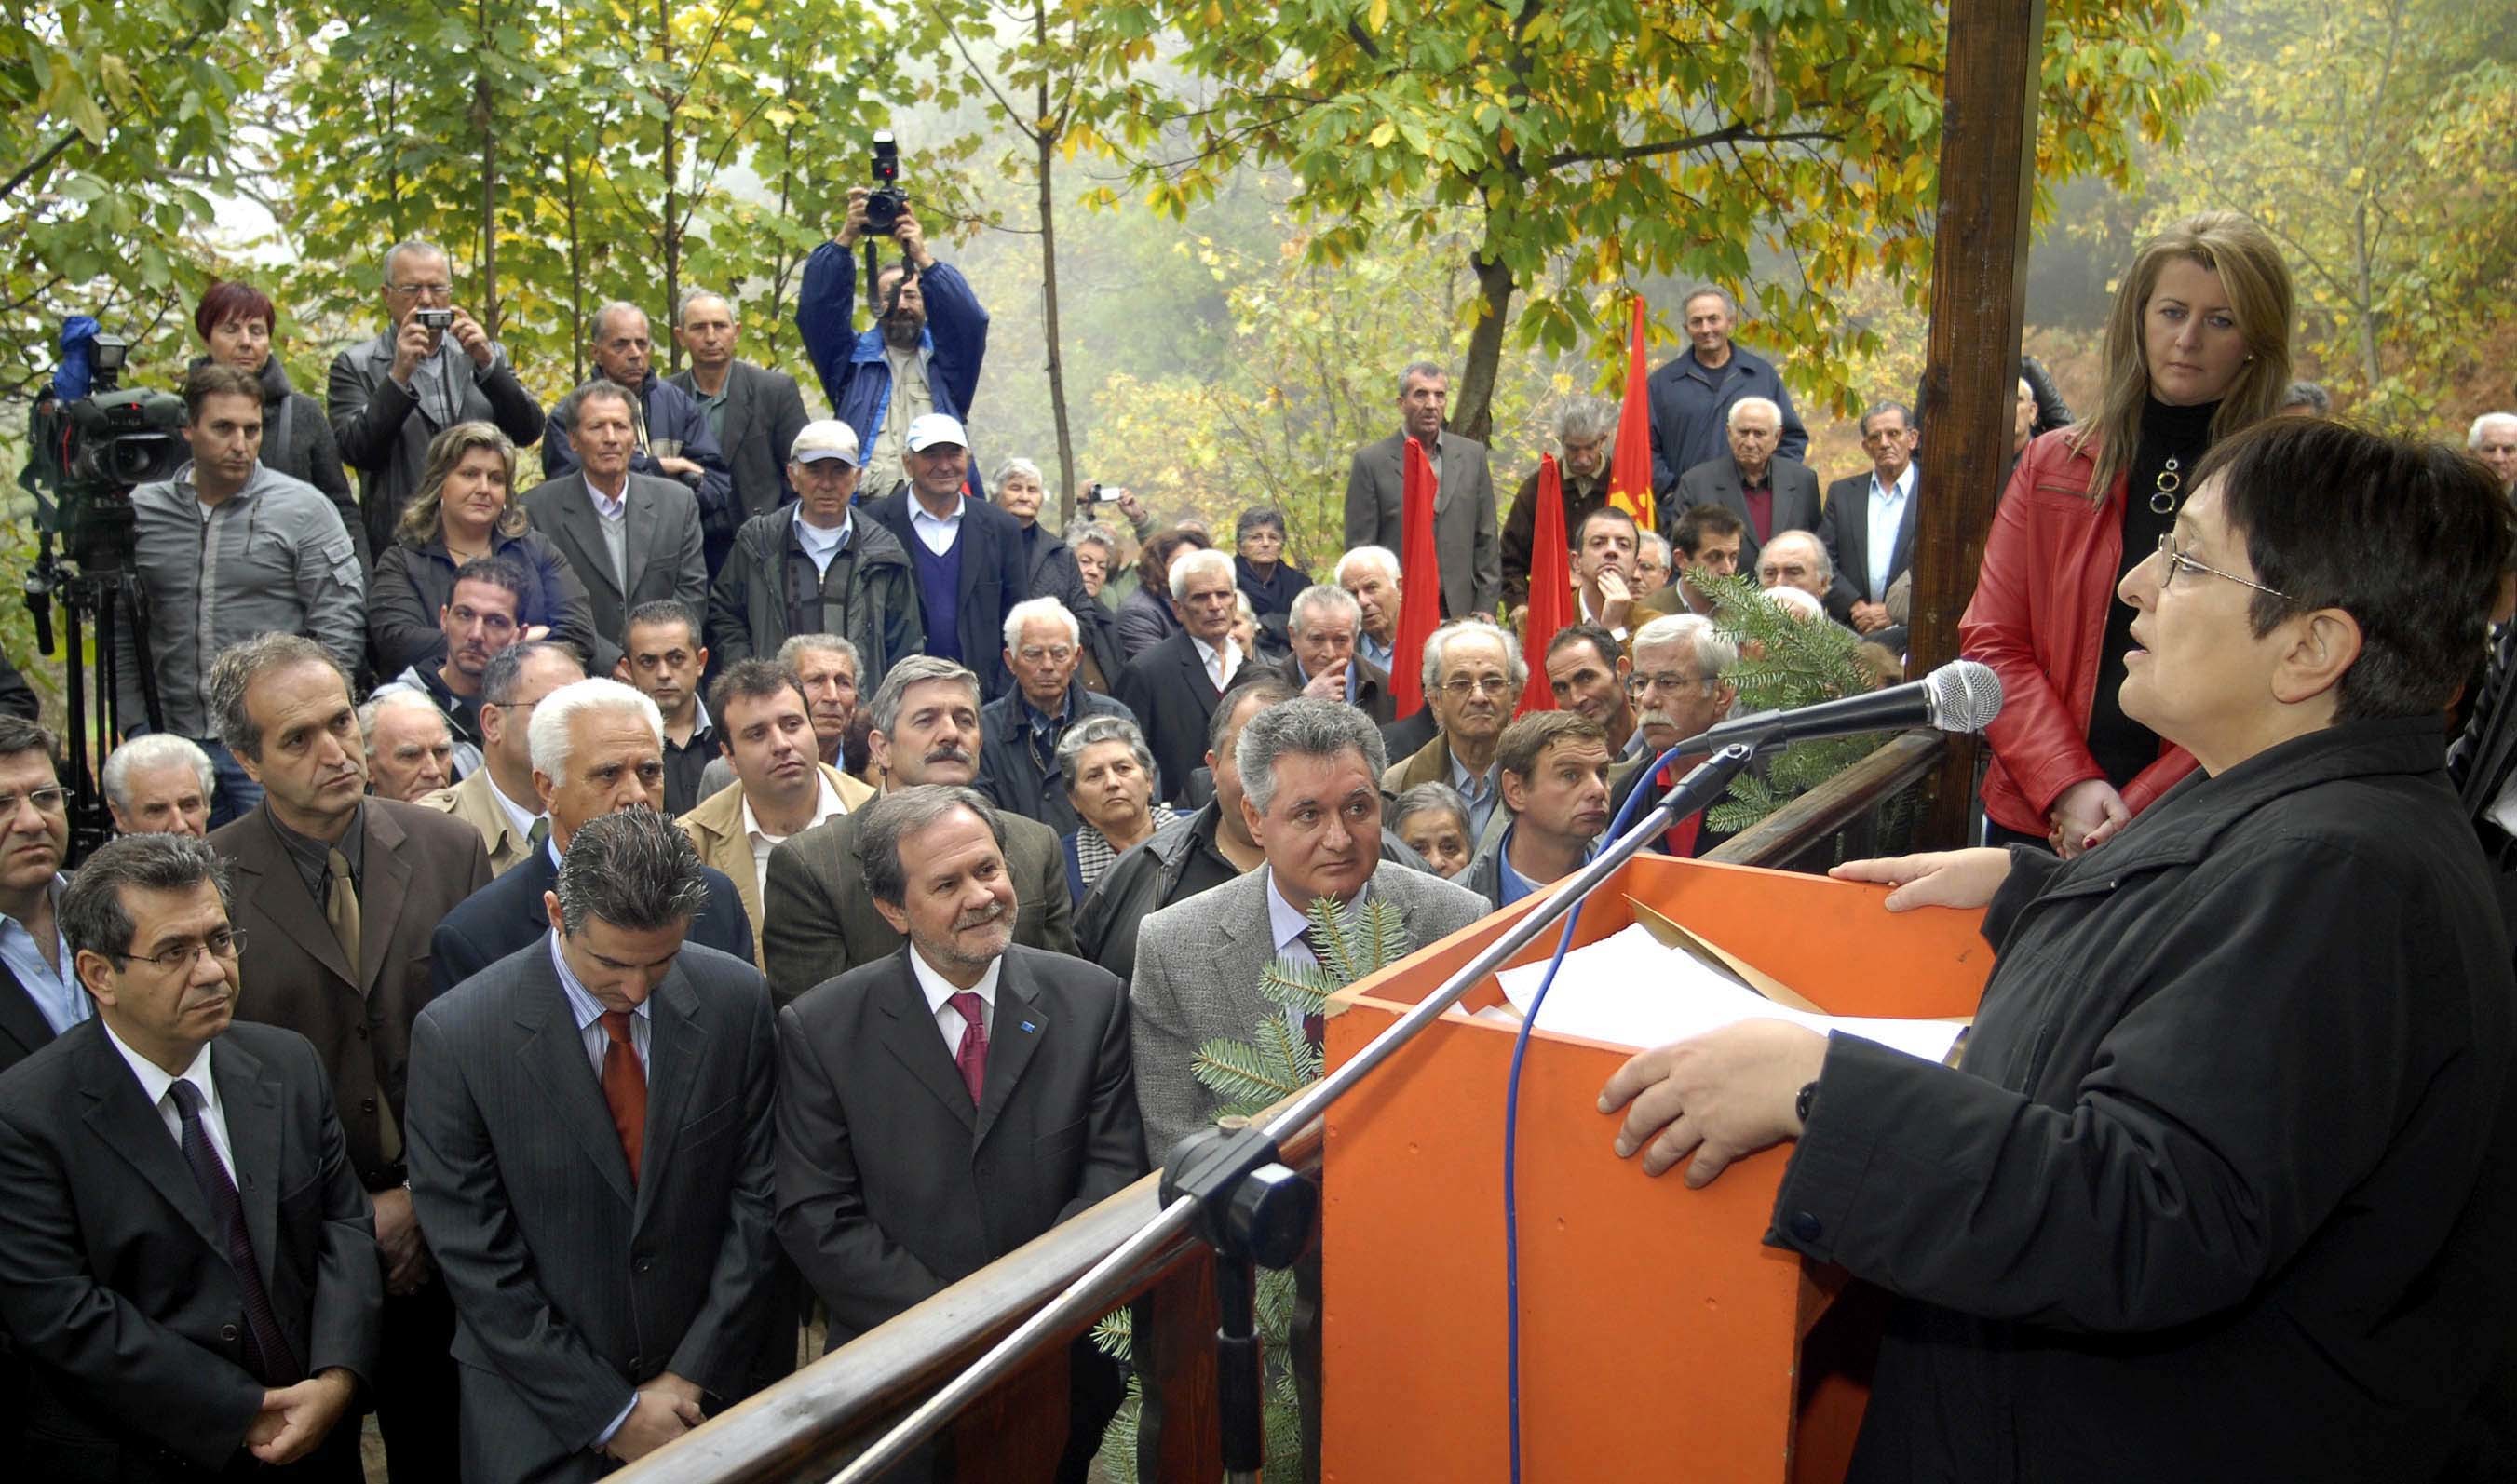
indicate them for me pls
(991, 583)
(2220, 1190)
(1050, 571)
(1172, 698)
(1010, 776)
(412, 582)
(764, 411)
(505, 915)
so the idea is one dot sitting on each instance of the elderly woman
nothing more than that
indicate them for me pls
(1051, 570)
(2215, 1190)
(236, 323)
(1433, 819)
(1145, 618)
(1259, 569)
(1109, 774)
(2197, 347)
(463, 511)
(1245, 626)
(1096, 545)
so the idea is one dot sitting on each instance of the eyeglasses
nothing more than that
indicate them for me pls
(222, 945)
(47, 800)
(2177, 562)
(1675, 682)
(1459, 687)
(423, 290)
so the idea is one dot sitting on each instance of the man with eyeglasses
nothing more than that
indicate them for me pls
(1020, 729)
(189, 1270)
(1473, 674)
(498, 801)
(1679, 662)
(41, 996)
(337, 891)
(388, 396)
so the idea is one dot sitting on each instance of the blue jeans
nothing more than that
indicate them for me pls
(237, 793)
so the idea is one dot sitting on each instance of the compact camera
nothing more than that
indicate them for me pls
(438, 319)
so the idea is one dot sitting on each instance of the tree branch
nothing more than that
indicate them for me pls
(1733, 135)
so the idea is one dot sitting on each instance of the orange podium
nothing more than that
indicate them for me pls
(1660, 1337)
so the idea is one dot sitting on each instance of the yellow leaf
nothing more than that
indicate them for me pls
(1379, 16)
(1382, 133)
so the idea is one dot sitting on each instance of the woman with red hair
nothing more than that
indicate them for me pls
(236, 322)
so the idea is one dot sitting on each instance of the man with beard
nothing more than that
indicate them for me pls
(816, 917)
(674, 438)
(480, 621)
(1473, 674)
(1679, 664)
(1555, 768)
(921, 355)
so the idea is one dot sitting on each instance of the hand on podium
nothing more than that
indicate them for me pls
(1961, 878)
(1715, 1097)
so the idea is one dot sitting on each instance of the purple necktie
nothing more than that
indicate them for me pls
(264, 1346)
(972, 1056)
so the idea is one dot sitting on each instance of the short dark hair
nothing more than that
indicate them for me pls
(902, 813)
(19, 734)
(1266, 686)
(1701, 520)
(662, 611)
(211, 379)
(239, 665)
(93, 916)
(1582, 526)
(1528, 739)
(751, 680)
(506, 667)
(1602, 643)
(233, 301)
(1154, 557)
(499, 573)
(1878, 409)
(2406, 537)
(635, 870)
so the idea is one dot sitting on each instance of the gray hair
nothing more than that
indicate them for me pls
(1040, 609)
(1653, 539)
(1585, 420)
(1099, 532)
(1427, 369)
(883, 713)
(547, 737)
(791, 652)
(247, 661)
(682, 311)
(1437, 649)
(1258, 517)
(1429, 796)
(1730, 419)
(1729, 306)
(1202, 559)
(1883, 408)
(601, 389)
(883, 823)
(501, 677)
(635, 870)
(1243, 609)
(603, 318)
(158, 750)
(1013, 466)
(2308, 395)
(2482, 426)
(1715, 651)
(93, 916)
(1101, 728)
(1380, 556)
(394, 699)
(405, 248)
(1320, 595)
(1302, 727)
(1818, 551)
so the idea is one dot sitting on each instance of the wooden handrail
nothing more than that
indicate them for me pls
(1904, 760)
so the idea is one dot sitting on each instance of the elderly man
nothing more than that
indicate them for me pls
(411, 753)
(2492, 439)
(1019, 730)
(597, 749)
(946, 1103)
(1467, 558)
(1796, 559)
(1172, 688)
(590, 1150)
(336, 893)
(663, 659)
(1473, 674)
(1051, 570)
(40, 995)
(966, 554)
(1310, 800)
(1651, 564)
(922, 354)
(672, 438)
(781, 789)
(1587, 670)
(480, 619)
(816, 569)
(1692, 394)
(1679, 662)
(226, 550)
(1868, 529)
(498, 800)
(752, 413)
(188, 1271)
(818, 920)
(1556, 786)
(1604, 569)
(390, 397)
(1707, 541)
(1370, 575)
(159, 784)
(633, 538)
(1768, 490)
(1584, 429)
(1323, 628)
(2305, 398)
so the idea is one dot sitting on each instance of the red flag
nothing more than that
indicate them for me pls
(1631, 484)
(1420, 607)
(1551, 586)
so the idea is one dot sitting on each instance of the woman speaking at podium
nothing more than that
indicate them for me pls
(2220, 1188)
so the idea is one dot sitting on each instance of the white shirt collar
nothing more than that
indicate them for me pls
(826, 807)
(1207, 652)
(154, 1080)
(918, 511)
(819, 543)
(939, 989)
(1904, 486)
(605, 505)
(1284, 920)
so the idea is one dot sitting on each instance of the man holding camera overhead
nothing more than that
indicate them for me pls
(922, 353)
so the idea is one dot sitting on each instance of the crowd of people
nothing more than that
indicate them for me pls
(564, 934)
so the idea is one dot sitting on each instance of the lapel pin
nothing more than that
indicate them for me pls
(1026, 1025)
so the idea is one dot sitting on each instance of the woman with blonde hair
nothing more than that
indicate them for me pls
(464, 510)
(2197, 347)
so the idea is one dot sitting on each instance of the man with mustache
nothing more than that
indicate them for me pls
(336, 893)
(481, 619)
(1679, 661)
(1473, 674)
(817, 918)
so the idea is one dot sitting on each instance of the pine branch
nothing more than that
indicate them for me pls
(1240, 1074)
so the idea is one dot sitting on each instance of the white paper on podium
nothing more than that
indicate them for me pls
(1627, 990)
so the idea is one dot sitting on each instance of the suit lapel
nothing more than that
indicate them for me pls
(1442, 487)
(556, 1051)
(122, 1119)
(271, 882)
(1852, 513)
(20, 1020)
(638, 529)
(1902, 555)
(249, 1098)
(1021, 1026)
(738, 408)
(909, 1033)
(381, 899)
(572, 508)
(676, 1048)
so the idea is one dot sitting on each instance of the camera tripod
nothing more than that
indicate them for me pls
(94, 597)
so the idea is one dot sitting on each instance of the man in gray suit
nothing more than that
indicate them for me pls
(1310, 795)
(1467, 548)
(1766, 490)
(633, 538)
(590, 1145)
(754, 413)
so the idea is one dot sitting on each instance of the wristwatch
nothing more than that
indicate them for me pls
(1808, 1097)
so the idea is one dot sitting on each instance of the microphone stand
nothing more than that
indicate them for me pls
(1231, 1186)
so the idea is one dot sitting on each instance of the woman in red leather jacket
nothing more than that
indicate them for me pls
(2198, 346)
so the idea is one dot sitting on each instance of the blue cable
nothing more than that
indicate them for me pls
(1512, 1132)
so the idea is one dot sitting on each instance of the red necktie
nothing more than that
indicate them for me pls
(624, 1088)
(1680, 841)
(972, 1057)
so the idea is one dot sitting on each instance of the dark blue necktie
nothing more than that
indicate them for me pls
(266, 1347)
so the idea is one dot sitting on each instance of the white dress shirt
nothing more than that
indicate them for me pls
(937, 532)
(828, 806)
(939, 992)
(1220, 664)
(589, 1012)
(1887, 515)
(154, 1085)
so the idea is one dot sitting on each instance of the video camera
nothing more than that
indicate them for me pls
(88, 451)
(885, 205)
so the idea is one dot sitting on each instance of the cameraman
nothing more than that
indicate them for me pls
(921, 355)
(226, 550)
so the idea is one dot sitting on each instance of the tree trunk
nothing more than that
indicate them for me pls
(672, 166)
(1473, 410)
(1047, 143)
(485, 117)
(2367, 306)
(575, 271)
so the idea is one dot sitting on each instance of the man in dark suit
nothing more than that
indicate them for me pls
(632, 537)
(40, 996)
(943, 1106)
(1019, 730)
(817, 919)
(1172, 688)
(1467, 548)
(754, 413)
(336, 896)
(1322, 627)
(188, 1269)
(1866, 507)
(966, 555)
(590, 1148)
(1765, 490)
(1691, 394)
(597, 749)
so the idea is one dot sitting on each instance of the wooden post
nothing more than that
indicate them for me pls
(1971, 363)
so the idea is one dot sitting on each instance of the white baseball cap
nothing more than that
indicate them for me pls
(827, 439)
(935, 428)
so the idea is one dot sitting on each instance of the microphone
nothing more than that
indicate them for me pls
(1962, 696)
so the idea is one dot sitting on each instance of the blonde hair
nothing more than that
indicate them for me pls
(2257, 282)
(418, 524)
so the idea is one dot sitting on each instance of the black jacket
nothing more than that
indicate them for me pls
(1049, 571)
(871, 579)
(2221, 1189)
(992, 583)
(412, 582)
(1011, 776)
